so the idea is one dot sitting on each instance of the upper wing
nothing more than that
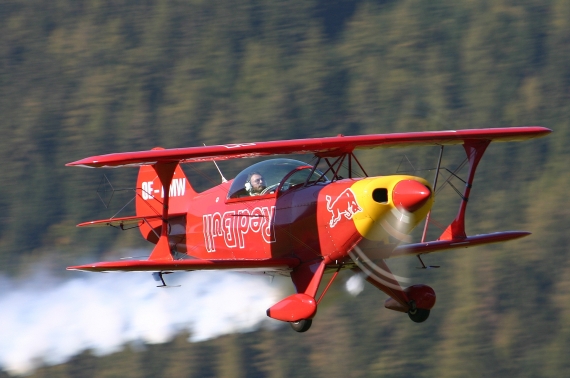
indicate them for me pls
(324, 147)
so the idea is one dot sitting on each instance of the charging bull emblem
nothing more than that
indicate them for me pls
(345, 204)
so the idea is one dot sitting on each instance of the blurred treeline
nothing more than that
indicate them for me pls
(80, 78)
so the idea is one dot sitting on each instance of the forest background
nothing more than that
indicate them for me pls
(87, 77)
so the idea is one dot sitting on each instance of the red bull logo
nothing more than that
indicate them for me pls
(344, 205)
(233, 227)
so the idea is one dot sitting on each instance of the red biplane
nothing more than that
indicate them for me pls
(283, 216)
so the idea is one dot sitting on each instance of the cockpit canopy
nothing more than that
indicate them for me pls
(277, 174)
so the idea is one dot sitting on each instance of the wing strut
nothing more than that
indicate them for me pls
(433, 188)
(335, 166)
(419, 256)
(474, 150)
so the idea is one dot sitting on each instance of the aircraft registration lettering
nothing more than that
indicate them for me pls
(177, 189)
(233, 227)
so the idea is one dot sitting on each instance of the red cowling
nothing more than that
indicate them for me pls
(410, 195)
(294, 308)
(423, 295)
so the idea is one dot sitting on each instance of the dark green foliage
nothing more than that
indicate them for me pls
(79, 78)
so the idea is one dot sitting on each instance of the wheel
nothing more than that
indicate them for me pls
(302, 325)
(418, 315)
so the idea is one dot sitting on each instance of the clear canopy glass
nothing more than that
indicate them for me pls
(271, 175)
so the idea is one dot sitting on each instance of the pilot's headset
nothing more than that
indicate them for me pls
(247, 185)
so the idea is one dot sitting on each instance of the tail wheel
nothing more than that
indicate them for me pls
(302, 325)
(418, 315)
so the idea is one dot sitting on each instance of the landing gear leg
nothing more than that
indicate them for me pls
(302, 325)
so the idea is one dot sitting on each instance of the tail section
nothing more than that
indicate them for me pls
(150, 199)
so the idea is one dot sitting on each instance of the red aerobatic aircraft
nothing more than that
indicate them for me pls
(286, 217)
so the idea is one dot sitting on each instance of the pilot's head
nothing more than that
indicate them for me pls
(255, 183)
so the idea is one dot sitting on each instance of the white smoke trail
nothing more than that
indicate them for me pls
(48, 322)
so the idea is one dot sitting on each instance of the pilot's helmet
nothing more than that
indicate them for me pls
(248, 186)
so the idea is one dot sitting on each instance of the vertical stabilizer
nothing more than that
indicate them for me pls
(150, 198)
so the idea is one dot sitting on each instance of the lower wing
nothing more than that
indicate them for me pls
(469, 241)
(281, 264)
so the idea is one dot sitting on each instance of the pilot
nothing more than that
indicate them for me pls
(255, 184)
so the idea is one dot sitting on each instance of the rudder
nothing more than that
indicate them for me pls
(150, 195)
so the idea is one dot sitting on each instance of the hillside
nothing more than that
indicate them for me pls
(79, 78)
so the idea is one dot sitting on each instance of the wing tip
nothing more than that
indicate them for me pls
(86, 163)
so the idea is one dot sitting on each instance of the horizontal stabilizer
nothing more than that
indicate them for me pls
(125, 221)
(189, 265)
(469, 241)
